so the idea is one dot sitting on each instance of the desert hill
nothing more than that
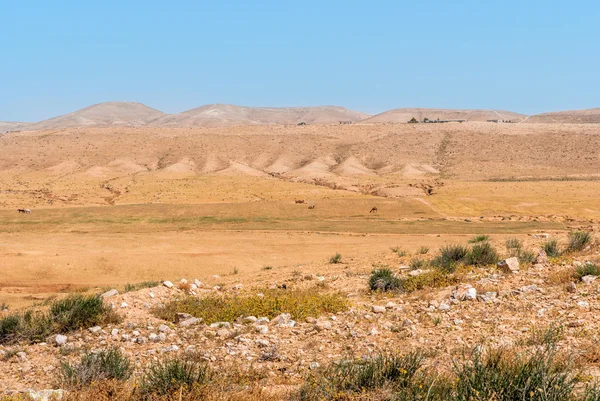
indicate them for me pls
(218, 115)
(6, 126)
(405, 114)
(129, 114)
(573, 117)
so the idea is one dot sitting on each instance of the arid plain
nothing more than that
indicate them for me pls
(112, 206)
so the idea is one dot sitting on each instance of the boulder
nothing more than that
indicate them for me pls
(168, 284)
(110, 293)
(542, 258)
(509, 266)
(378, 309)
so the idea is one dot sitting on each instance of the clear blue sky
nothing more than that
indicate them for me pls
(528, 56)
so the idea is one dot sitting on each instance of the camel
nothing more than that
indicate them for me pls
(311, 207)
(299, 201)
(373, 210)
(24, 210)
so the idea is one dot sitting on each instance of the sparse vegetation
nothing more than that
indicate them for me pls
(141, 286)
(71, 313)
(479, 238)
(430, 279)
(267, 267)
(514, 247)
(548, 336)
(335, 259)
(551, 248)
(423, 250)
(174, 375)
(578, 240)
(482, 254)
(417, 263)
(214, 308)
(384, 280)
(105, 365)
(587, 269)
(449, 258)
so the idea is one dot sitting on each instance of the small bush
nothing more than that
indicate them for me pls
(68, 314)
(402, 253)
(449, 258)
(104, 365)
(395, 249)
(335, 259)
(267, 268)
(215, 308)
(587, 269)
(482, 254)
(479, 238)
(578, 240)
(548, 336)
(417, 263)
(513, 246)
(171, 375)
(340, 380)
(383, 280)
(551, 248)
(431, 279)
(423, 250)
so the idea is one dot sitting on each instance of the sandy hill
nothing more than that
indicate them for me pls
(128, 114)
(573, 116)
(404, 115)
(6, 126)
(218, 115)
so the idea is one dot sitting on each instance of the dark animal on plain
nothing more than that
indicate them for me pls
(311, 207)
(21, 210)
(299, 201)
(373, 210)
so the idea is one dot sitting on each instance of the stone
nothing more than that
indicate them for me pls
(489, 296)
(377, 309)
(163, 328)
(588, 279)
(471, 294)
(45, 395)
(141, 340)
(282, 319)
(95, 329)
(391, 305)
(576, 323)
(22, 356)
(444, 306)
(124, 305)
(313, 365)
(250, 319)
(321, 325)
(168, 284)
(571, 287)
(583, 304)
(114, 332)
(262, 343)
(60, 339)
(180, 317)
(224, 333)
(190, 322)
(110, 293)
(162, 337)
(218, 325)
(262, 329)
(183, 281)
(153, 337)
(542, 258)
(198, 283)
(417, 272)
(170, 348)
(509, 266)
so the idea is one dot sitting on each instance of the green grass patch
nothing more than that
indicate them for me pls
(335, 259)
(174, 375)
(552, 248)
(479, 238)
(578, 240)
(94, 367)
(141, 286)
(214, 308)
(384, 280)
(482, 254)
(587, 269)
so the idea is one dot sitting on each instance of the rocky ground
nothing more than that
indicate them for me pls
(492, 307)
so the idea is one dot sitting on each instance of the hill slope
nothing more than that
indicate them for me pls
(128, 114)
(6, 126)
(219, 115)
(574, 116)
(404, 115)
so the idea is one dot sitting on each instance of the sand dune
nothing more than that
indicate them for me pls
(573, 117)
(103, 114)
(218, 115)
(404, 115)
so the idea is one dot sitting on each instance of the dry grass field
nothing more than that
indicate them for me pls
(120, 205)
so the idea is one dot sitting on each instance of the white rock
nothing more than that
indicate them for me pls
(378, 309)
(95, 329)
(444, 306)
(471, 293)
(153, 337)
(168, 284)
(124, 305)
(163, 328)
(60, 339)
(190, 322)
(583, 304)
(510, 265)
(114, 332)
(183, 281)
(391, 305)
(588, 279)
(151, 295)
(262, 329)
(250, 319)
(313, 365)
(282, 319)
(110, 293)
(198, 283)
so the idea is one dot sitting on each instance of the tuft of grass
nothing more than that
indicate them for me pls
(345, 379)
(479, 238)
(482, 254)
(335, 259)
(214, 308)
(71, 313)
(141, 286)
(383, 280)
(267, 267)
(174, 375)
(587, 269)
(514, 247)
(450, 257)
(431, 279)
(548, 336)
(105, 365)
(417, 263)
(551, 248)
(578, 240)
(395, 249)
(423, 250)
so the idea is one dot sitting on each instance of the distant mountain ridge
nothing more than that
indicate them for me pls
(132, 114)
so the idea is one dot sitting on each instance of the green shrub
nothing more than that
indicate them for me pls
(578, 240)
(383, 280)
(587, 269)
(172, 375)
(479, 238)
(449, 258)
(431, 279)
(215, 308)
(417, 263)
(482, 254)
(71, 313)
(140, 286)
(551, 248)
(105, 365)
(513, 246)
(341, 380)
(548, 336)
(335, 259)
